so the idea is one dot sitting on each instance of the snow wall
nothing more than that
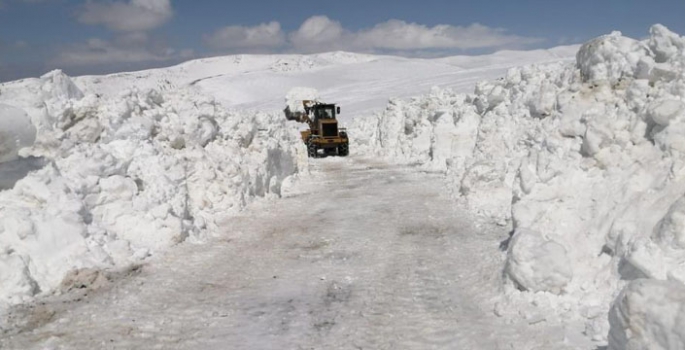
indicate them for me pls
(127, 177)
(584, 162)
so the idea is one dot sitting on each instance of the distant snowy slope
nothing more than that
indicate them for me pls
(516, 58)
(365, 86)
(195, 71)
(360, 83)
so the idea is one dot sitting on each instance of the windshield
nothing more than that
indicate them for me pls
(324, 113)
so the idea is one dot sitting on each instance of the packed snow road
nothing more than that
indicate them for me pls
(358, 255)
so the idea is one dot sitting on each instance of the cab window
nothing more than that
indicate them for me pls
(324, 113)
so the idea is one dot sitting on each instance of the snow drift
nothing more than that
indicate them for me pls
(584, 162)
(127, 176)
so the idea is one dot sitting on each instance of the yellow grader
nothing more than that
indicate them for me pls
(323, 132)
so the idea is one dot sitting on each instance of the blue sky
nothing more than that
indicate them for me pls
(97, 36)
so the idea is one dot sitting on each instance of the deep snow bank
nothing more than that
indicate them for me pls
(128, 176)
(585, 162)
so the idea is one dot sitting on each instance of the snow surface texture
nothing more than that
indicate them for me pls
(585, 163)
(127, 176)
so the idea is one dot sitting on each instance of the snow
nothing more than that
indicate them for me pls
(648, 314)
(583, 162)
(296, 95)
(613, 57)
(360, 84)
(303, 272)
(537, 263)
(295, 101)
(126, 177)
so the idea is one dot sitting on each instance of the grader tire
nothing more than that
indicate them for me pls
(344, 150)
(311, 149)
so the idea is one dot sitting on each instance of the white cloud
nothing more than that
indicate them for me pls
(132, 16)
(128, 48)
(319, 33)
(265, 35)
(400, 35)
(131, 44)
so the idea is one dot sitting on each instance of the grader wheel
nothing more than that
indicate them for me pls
(311, 149)
(344, 149)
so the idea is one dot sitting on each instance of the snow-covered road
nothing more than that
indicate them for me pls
(359, 255)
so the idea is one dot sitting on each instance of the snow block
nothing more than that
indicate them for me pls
(536, 263)
(665, 44)
(57, 85)
(662, 112)
(648, 314)
(610, 58)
